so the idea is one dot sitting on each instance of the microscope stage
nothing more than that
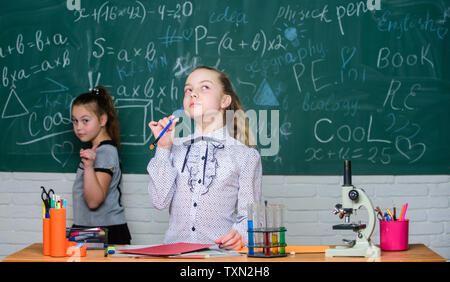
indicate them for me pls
(352, 226)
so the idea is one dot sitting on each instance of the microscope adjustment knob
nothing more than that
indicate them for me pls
(353, 195)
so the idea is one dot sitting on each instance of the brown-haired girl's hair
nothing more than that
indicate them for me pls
(240, 127)
(102, 103)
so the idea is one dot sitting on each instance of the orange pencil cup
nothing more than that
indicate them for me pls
(46, 236)
(58, 232)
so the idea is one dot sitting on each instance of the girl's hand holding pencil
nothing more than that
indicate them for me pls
(162, 126)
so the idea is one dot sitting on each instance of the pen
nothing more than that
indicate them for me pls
(83, 237)
(152, 146)
(395, 217)
(190, 257)
(87, 231)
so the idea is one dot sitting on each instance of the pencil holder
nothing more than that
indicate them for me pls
(46, 236)
(58, 232)
(394, 235)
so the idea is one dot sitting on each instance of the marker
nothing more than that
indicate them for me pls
(404, 214)
(152, 146)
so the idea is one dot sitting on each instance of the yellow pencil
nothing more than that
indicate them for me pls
(390, 214)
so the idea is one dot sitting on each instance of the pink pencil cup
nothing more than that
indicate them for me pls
(394, 235)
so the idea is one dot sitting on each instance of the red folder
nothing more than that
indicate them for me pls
(168, 249)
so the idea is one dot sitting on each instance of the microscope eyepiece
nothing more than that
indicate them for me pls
(347, 173)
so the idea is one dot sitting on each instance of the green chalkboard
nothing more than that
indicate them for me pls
(321, 80)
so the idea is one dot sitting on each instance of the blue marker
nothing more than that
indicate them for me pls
(152, 146)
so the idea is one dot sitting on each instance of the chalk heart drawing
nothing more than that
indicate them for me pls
(61, 152)
(409, 150)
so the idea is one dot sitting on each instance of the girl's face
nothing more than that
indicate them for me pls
(203, 95)
(86, 124)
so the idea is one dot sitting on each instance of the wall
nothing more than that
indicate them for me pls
(309, 201)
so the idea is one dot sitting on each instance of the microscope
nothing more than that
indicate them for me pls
(352, 199)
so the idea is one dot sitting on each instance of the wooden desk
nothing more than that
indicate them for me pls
(415, 253)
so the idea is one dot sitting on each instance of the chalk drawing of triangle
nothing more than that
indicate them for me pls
(13, 106)
(265, 96)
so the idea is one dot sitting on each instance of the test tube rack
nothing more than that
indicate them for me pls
(268, 242)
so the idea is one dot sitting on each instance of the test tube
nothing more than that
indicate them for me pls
(266, 232)
(251, 250)
(260, 223)
(282, 229)
(275, 229)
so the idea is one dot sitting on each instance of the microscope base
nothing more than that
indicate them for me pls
(359, 249)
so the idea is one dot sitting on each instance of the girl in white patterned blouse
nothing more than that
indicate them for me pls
(208, 178)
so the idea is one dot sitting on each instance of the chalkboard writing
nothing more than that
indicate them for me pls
(321, 81)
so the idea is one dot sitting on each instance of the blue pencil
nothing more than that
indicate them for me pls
(152, 146)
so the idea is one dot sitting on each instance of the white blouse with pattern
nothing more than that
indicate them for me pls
(207, 181)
